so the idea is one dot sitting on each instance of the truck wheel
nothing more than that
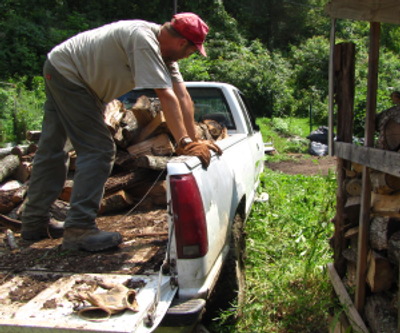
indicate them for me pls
(230, 288)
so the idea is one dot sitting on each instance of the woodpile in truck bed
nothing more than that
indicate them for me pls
(382, 271)
(144, 147)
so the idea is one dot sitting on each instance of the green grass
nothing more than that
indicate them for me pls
(288, 248)
(287, 135)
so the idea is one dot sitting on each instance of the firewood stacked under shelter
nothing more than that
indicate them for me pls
(144, 147)
(382, 275)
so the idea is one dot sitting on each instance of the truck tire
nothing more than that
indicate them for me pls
(230, 288)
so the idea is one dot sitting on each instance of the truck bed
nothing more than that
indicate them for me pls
(40, 264)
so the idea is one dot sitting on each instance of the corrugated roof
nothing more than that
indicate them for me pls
(385, 11)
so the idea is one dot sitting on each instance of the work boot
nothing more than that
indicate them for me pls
(91, 240)
(53, 229)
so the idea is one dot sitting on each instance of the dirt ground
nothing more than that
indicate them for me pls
(305, 165)
(143, 249)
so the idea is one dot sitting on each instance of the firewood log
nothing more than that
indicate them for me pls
(217, 130)
(152, 162)
(384, 204)
(380, 315)
(388, 126)
(113, 114)
(5, 151)
(128, 131)
(116, 201)
(8, 165)
(121, 181)
(6, 202)
(33, 135)
(145, 109)
(353, 187)
(59, 210)
(380, 273)
(381, 229)
(159, 145)
(157, 125)
(20, 150)
(23, 172)
(384, 183)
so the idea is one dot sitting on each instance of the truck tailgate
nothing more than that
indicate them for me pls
(51, 311)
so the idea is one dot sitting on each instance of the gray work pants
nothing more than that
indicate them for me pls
(70, 112)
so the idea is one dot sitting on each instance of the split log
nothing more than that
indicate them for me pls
(384, 204)
(380, 273)
(159, 145)
(33, 135)
(353, 187)
(116, 201)
(152, 162)
(145, 109)
(380, 315)
(113, 114)
(381, 229)
(8, 165)
(128, 130)
(157, 125)
(383, 183)
(156, 191)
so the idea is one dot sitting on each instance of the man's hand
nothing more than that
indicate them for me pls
(201, 149)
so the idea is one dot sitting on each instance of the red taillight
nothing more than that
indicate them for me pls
(189, 217)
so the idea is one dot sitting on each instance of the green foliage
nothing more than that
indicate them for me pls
(20, 109)
(287, 250)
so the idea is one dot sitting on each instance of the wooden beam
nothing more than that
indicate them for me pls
(354, 317)
(372, 87)
(377, 159)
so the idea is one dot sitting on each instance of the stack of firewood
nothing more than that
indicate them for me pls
(144, 147)
(382, 275)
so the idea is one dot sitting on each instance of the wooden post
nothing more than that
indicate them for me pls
(343, 70)
(366, 184)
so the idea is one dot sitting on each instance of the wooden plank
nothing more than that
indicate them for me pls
(372, 87)
(354, 317)
(377, 159)
(387, 11)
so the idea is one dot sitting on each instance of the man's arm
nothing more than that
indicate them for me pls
(187, 107)
(172, 112)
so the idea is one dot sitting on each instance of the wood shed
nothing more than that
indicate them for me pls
(366, 240)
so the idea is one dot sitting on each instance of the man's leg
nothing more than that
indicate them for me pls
(48, 176)
(81, 115)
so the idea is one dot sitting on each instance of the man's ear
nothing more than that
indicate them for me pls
(183, 42)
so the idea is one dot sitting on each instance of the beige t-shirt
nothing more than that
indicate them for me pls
(115, 58)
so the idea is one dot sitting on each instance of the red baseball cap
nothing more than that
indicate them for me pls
(192, 27)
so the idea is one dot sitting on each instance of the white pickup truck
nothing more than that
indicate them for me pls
(206, 211)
